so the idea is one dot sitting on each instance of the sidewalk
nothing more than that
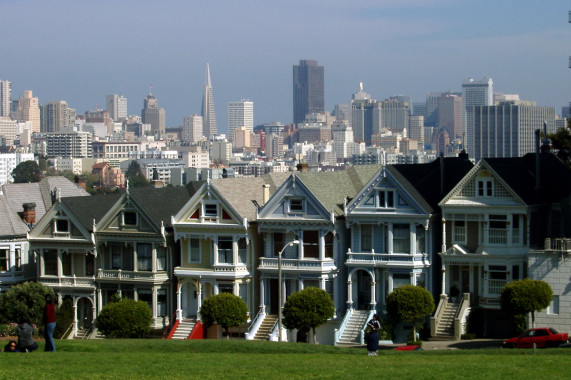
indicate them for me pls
(452, 344)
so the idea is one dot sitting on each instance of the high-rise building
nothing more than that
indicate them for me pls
(395, 114)
(450, 114)
(242, 138)
(431, 119)
(29, 110)
(154, 115)
(366, 119)
(56, 115)
(69, 144)
(192, 128)
(240, 114)
(209, 127)
(5, 97)
(117, 107)
(308, 90)
(416, 130)
(508, 129)
(474, 93)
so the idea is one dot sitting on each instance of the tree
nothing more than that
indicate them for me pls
(25, 299)
(561, 141)
(225, 309)
(410, 303)
(308, 308)
(135, 175)
(125, 319)
(526, 296)
(27, 171)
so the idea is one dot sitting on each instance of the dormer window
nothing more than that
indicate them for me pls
(62, 226)
(386, 199)
(485, 188)
(129, 218)
(210, 210)
(296, 205)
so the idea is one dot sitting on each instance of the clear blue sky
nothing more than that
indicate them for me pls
(80, 50)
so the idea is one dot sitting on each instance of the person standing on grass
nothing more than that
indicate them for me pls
(373, 336)
(25, 336)
(49, 323)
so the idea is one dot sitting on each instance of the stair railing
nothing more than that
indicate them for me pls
(67, 331)
(460, 317)
(89, 331)
(435, 321)
(255, 325)
(172, 323)
(274, 333)
(341, 329)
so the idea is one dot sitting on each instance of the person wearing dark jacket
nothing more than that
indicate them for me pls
(25, 336)
(373, 335)
(49, 323)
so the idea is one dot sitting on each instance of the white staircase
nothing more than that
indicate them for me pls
(351, 335)
(266, 327)
(184, 329)
(445, 328)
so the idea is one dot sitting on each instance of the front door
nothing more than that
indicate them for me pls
(363, 290)
(84, 313)
(274, 295)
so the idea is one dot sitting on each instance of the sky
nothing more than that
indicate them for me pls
(80, 50)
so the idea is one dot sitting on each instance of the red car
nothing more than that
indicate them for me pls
(542, 337)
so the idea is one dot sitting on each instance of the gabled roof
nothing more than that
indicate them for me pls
(87, 209)
(520, 174)
(10, 222)
(435, 179)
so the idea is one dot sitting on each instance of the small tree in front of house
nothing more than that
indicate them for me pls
(225, 309)
(526, 296)
(409, 304)
(126, 318)
(25, 299)
(308, 308)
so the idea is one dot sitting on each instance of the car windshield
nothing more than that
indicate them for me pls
(553, 331)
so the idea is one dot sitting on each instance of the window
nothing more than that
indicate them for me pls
(130, 218)
(553, 307)
(144, 257)
(485, 188)
(459, 231)
(18, 259)
(311, 244)
(194, 250)
(50, 262)
(90, 265)
(161, 258)
(278, 242)
(366, 237)
(145, 295)
(161, 303)
(420, 239)
(329, 245)
(210, 210)
(386, 199)
(225, 287)
(115, 256)
(401, 238)
(296, 205)
(4, 260)
(66, 263)
(400, 279)
(225, 249)
(498, 229)
(62, 225)
(242, 251)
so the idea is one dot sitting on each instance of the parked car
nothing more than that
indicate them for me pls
(542, 337)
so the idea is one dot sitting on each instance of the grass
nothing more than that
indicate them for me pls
(236, 359)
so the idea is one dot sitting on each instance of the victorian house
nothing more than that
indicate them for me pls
(491, 219)
(92, 248)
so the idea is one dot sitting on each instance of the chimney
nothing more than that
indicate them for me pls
(266, 194)
(29, 213)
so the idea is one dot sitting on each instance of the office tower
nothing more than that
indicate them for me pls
(117, 107)
(366, 119)
(240, 114)
(154, 115)
(56, 115)
(242, 138)
(474, 93)
(209, 127)
(395, 114)
(416, 130)
(192, 128)
(221, 152)
(419, 109)
(431, 119)
(308, 90)
(344, 144)
(450, 115)
(343, 112)
(508, 129)
(5, 97)
(29, 110)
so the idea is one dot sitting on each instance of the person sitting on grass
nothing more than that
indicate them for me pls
(25, 336)
(11, 347)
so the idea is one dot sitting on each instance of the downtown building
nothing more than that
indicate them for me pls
(209, 126)
(154, 115)
(117, 107)
(56, 115)
(69, 144)
(474, 93)
(192, 128)
(240, 114)
(5, 97)
(308, 90)
(508, 129)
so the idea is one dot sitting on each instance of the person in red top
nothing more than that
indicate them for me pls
(49, 323)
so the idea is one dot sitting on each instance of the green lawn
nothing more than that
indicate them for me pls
(140, 359)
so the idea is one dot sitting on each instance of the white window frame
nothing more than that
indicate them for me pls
(459, 236)
(485, 187)
(190, 260)
(299, 204)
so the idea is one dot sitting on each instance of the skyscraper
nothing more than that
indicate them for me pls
(55, 115)
(117, 107)
(308, 90)
(154, 115)
(240, 114)
(474, 93)
(5, 97)
(192, 129)
(29, 110)
(450, 114)
(209, 127)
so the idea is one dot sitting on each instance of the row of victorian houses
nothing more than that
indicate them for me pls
(460, 230)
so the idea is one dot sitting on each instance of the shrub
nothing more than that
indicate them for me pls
(25, 299)
(9, 329)
(125, 319)
(64, 317)
(310, 307)
(410, 303)
(225, 309)
(526, 296)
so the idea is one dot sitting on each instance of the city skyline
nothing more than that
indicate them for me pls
(408, 48)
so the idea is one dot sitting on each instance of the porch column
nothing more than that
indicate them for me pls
(321, 245)
(153, 258)
(322, 285)
(198, 297)
(373, 294)
(59, 263)
(262, 295)
(412, 278)
(215, 289)
(446, 279)
(99, 300)
(178, 301)
(349, 293)
(391, 284)
(390, 245)
(443, 239)
(154, 300)
(412, 238)
(236, 288)
(215, 253)
(299, 284)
